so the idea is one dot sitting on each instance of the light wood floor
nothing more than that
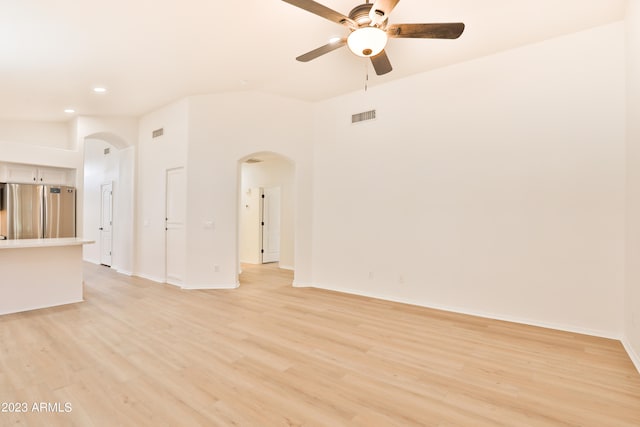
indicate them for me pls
(137, 353)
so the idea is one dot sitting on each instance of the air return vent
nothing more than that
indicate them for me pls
(363, 117)
(158, 132)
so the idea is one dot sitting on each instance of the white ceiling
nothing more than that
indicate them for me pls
(151, 52)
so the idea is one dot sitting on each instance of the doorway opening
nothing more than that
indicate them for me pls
(265, 212)
(106, 201)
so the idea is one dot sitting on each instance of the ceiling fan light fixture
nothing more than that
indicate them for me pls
(367, 41)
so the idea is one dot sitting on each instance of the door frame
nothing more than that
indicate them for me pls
(101, 229)
(239, 204)
(264, 220)
(172, 280)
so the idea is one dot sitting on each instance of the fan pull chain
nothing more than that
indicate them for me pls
(366, 76)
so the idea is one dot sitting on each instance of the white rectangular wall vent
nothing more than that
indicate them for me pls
(158, 132)
(363, 117)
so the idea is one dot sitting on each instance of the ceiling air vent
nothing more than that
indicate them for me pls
(158, 132)
(363, 117)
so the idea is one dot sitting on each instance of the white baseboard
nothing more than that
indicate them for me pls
(297, 284)
(635, 358)
(286, 267)
(210, 286)
(113, 267)
(548, 325)
(181, 285)
(125, 272)
(152, 278)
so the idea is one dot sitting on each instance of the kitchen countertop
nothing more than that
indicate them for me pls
(43, 243)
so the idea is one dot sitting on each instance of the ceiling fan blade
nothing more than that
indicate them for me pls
(321, 50)
(381, 63)
(451, 30)
(381, 9)
(320, 10)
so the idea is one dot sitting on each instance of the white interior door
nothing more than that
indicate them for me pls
(106, 223)
(270, 224)
(250, 228)
(176, 200)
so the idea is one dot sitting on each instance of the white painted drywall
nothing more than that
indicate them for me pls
(272, 172)
(17, 152)
(40, 134)
(632, 295)
(493, 187)
(223, 129)
(121, 132)
(39, 277)
(154, 157)
(124, 212)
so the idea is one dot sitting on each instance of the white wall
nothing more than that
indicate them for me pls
(121, 132)
(272, 172)
(41, 134)
(154, 157)
(17, 152)
(222, 130)
(124, 212)
(493, 187)
(632, 296)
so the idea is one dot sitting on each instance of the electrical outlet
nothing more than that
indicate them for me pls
(216, 268)
(401, 279)
(371, 275)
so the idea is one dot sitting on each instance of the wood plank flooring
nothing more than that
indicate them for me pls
(137, 353)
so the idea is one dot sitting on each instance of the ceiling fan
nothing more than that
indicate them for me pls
(369, 31)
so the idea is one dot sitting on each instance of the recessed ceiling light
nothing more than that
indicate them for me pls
(99, 89)
(69, 111)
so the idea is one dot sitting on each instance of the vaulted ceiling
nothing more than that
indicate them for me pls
(148, 53)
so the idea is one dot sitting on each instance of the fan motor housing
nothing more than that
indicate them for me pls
(360, 14)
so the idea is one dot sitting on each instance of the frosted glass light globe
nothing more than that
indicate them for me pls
(367, 41)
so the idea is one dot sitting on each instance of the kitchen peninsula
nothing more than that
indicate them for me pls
(40, 273)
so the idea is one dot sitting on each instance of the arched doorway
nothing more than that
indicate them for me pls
(108, 200)
(266, 226)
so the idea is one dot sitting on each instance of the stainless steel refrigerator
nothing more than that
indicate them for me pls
(37, 211)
